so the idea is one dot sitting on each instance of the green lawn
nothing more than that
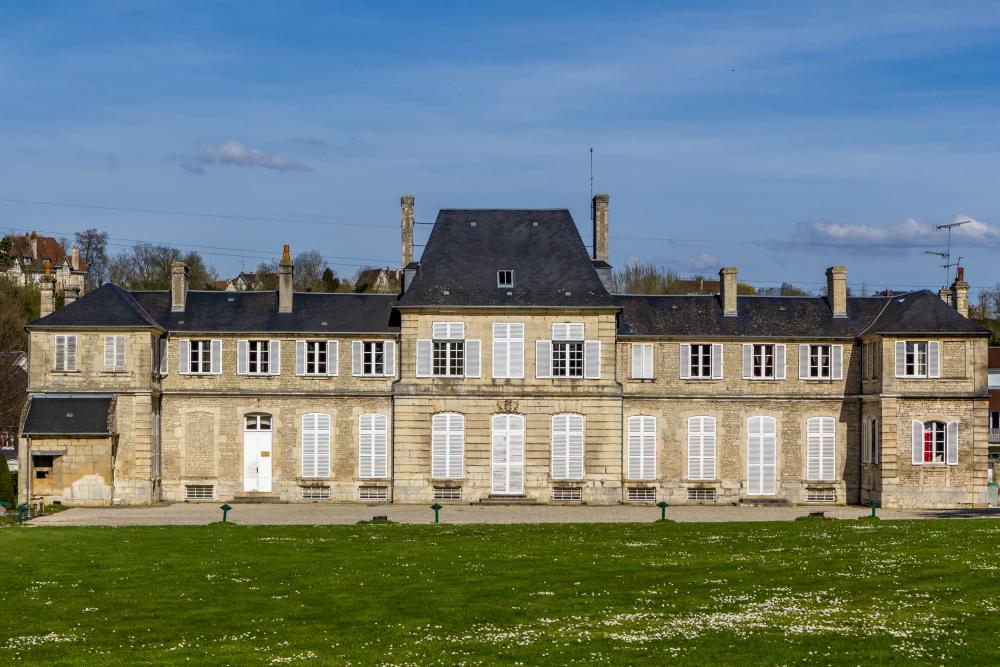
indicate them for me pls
(814, 592)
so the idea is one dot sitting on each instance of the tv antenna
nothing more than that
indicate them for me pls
(946, 255)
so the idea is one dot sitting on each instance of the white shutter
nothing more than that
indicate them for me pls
(779, 361)
(274, 357)
(242, 353)
(447, 445)
(685, 361)
(635, 448)
(543, 359)
(559, 446)
(642, 448)
(59, 353)
(456, 446)
(803, 362)
(637, 369)
(184, 357)
(951, 443)
(389, 358)
(567, 331)
(357, 357)
(567, 446)
(716, 362)
(71, 353)
(439, 446)
(917, 443)
(647, 360)
(933, 359)
(472, 359)
(837, 360)
(747, 361)
(592, 360)
(448, 330)
(216, 361)
(380, 446)
(365, 446)
(164, 355)
(424, 351)
(309, 445)
(876, 441)
(701, 448)
(900, 358)
(866, 433)
(515, 351)
(501, 362)
(332, 357)
(820, 452)
(323, 445)
(120, 353)
(439, 330)
(300, 357)
(109, 353)
(761, 456)
(315, 445)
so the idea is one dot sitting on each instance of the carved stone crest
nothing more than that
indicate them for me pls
(507, 407)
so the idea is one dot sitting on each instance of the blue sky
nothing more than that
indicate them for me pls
(722, 131)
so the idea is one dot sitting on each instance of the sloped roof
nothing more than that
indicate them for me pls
(922, 312)
(107, 306)
(75, 414)
(467, 247)
(48, 249)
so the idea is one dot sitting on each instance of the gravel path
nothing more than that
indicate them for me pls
(176, 514)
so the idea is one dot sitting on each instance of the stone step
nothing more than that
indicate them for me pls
(765, 502)
(508, 500)
(257, 499)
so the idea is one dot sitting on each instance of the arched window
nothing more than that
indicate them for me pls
(821, 448)
(373, 446)
(447, 446)
(701, 448)
(315, 445)
(567, 446)
(257, 421)
(935, 442)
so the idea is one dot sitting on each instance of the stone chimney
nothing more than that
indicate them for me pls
(70, 294)
(178, 286)
(836, 290)
(74, 262)
(47, 288)
(406, 203)
(960, 293)
(945, 295)
(286, 287)
(727, 289)
(34, 245)
(600, 207)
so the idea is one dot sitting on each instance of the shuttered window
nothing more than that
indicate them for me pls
(641, 448)
(316, 357)
(821, 362)
(762, 456)
(65, 353)
(568, 355)
(567, 446)
(820, 448)
(315, 445)
(373, 358)
(874, 442)
(507, 465)
(447, 446)
(701, 448)
(508, 350)
(764, 361)
(701, 361)
(201, 357)
(642, 361)
(257, 357)
(114, 353)
(373, 446)
(918, 359)
(935, 442)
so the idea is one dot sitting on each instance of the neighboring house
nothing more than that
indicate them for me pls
(383, 281)
(697, 286)
(242, 282)
(31, 251)
(506, 372)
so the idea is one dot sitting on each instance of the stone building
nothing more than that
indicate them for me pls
(31, 252)
(505, 371)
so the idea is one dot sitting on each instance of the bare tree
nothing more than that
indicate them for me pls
(309, 267)
(93, 246)
(147, 266)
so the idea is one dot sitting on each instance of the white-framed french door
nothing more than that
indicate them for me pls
(257, 453)
(762, 456)
(508, 454)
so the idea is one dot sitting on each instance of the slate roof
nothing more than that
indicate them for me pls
(48, 249)
(543, 246)
(68, 415)
(107, 306)
(700, 316)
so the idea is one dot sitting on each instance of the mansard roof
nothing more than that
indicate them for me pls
(71, 414)
(107, 306)
(543, 247)
(701, 316)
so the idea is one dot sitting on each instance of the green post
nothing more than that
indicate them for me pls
(663, 509)
(21, 509)
(437, 508)
(225, 512)
(872, 501)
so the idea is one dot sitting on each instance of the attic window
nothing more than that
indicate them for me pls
(231, 299)
(505, 278)
(445, 292)
(534, 223)
(472, 223)
(569, 294)
(69, 415)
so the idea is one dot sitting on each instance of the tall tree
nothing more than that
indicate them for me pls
(309, 266)
(147, 266)
(329, 280)
(18, 305)
(93, 246)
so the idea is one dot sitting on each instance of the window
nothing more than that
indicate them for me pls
(762, 456)
(821, 362)
(447, 446)
(315, 493)
(641, 495)
(373, 358)
(568, 355)
(315, 445)
(373, 493)
(199, 492)
(114, 353)
(822, 496)
(701, 495)
(373, 446)
(200, 357)
(447, 493)
(935, 442)
(258, 357)
(508, 350)
(917, 359)
(449, 357)
(505, 278)
(870, 437)
(642, 447)
(65, 353)
(447, 353)
(567, 447)
(701, 361)
(257, 422)
(701, 448)
(567, 359)
(763, 361)
(820, 448)
(642, 361)
(567, 495)
(316, 357)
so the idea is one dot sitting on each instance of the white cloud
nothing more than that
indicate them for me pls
(908, 233)
(703, 262)
(236, 153)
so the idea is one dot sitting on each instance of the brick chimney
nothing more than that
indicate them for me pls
(727, 288)
(600, 205)
(836, 290)
(960, 293)
(178, 286)
(406, 203)
(47, 288)
(74, 262)
(70, 294)
(286, 287)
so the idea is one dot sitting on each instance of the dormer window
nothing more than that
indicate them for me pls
(505, 278)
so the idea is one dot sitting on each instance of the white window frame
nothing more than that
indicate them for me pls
(252, 348)
(199, 353)
(508, 350)
(688, 356)
(702, 448)
(949, 435)
(505, 281)
(821, 361)
(568, 445)
(114, 351)
(447, 445)
(642, 361)
(373, 446)
(316, 445)
(364, 358)
(918, 359)
(762, 429)
(303, 368)
(64, 349)
(821, 449)
(641, 450)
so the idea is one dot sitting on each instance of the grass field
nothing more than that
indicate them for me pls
(806, 592)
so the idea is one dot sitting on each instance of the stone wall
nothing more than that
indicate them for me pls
(81, 476)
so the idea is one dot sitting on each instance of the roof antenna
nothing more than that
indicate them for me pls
(593, 212)
(947, 254)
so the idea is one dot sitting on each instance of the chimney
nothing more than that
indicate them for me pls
(70, 294)
(178, 286)
(47, 287)
(600, 208)
(285, 284)
(836, 290)
(34, 245)
(406, 203)
(74, 262)
(727, 287)
(960, 293)
(945, 295)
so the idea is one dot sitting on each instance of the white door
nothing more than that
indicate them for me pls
(508, 454)
(257, 454)
(762, 456)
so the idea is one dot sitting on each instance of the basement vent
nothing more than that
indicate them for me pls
(574, 495)
(822, 496)
(199, 492)
(701, 495)
(447, 493)
(373, 493)
(637, 495)
(315, 493)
